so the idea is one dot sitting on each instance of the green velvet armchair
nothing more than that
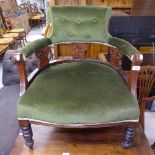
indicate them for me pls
(78, 93)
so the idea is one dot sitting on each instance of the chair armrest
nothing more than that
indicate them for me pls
(135, 56)
(124, 46)
(32, 47)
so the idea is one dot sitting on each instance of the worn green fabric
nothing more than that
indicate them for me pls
(79, 92)
(79, 23)
(32, 47)
(125, 47)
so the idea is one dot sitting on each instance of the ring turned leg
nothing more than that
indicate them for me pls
(128, 138)
(27, 134)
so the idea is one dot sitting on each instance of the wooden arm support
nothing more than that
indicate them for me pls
(43, 57)
(22, 73)
(135, 69)
(115, 57)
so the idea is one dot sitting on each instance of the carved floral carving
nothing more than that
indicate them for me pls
(115, 57)
(43, 56)
(79, 50)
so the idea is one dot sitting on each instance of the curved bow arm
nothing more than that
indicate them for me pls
(135, 56)
(34, 46)
(124, 46)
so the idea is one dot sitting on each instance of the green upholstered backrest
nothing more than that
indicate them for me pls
(79, 23)
(86, 24)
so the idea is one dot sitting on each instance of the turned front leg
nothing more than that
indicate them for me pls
(27, 133)
(128, 138)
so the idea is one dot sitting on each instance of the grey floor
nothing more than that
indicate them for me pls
(35, 33)
(1, 85)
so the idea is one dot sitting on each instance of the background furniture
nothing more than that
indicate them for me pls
(8, 5)
(3, 49)
(10, 73)
(7, 41)
(143, 8)
(121, 5)
(137, 30)
(21, 22)
(15, 36)
(35, 17)
(22, 34)
(146, 84)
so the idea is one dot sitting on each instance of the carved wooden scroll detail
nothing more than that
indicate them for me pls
(79, 50)
(43, 56)
(115, 57)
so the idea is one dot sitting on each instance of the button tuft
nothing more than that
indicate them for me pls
(94, 20)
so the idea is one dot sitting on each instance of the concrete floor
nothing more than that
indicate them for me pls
(35, 33)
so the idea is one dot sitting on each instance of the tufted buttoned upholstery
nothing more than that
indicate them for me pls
(86, 24)
(10, 74)
(72, 23)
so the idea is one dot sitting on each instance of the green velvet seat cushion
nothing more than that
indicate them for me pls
(78, 93)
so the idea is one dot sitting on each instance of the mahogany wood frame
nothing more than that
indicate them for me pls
(43, 59)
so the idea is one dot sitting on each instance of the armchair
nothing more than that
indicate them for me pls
(79, 92)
